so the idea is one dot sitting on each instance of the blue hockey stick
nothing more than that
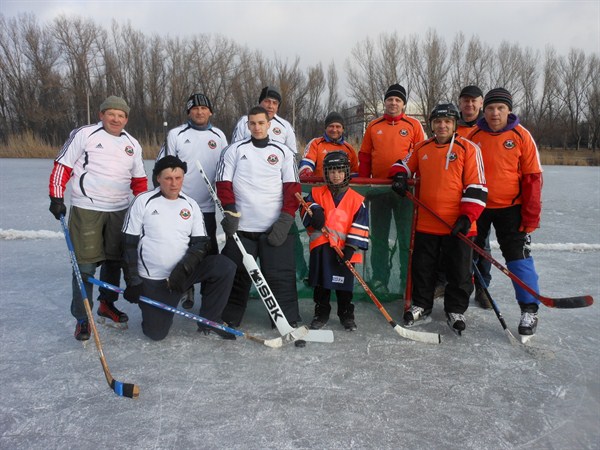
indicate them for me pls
(122, 389)
(297, 333)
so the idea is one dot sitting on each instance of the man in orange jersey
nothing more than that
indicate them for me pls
(386, 140)
(514, 176)
(452, 184)
(332, 140)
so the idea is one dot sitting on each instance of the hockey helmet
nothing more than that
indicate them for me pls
(444, 110)
(336, 160)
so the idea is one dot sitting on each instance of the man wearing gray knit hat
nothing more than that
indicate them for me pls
(514, 180)
(104, 165)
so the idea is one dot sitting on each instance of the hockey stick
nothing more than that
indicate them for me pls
(421, 336)
(511, 337)
(258, 279)
(297, 333)
(533, 351)
(122, 389)
(411, 249)
(566, 302)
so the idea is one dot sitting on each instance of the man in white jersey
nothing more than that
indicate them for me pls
(279, 131)
(198, 140)
(256, 183)
(167, 251)
(105, 165)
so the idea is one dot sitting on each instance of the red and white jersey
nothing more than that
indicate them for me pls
(103, 167)
(257, 176)
(279, 131)
(189, 145)
(164, 227)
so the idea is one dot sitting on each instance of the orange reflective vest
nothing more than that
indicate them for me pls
(338, 219)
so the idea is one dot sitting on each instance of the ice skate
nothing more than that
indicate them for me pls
(527, 325)
(116, 319)
(456, 322)
(416, 314)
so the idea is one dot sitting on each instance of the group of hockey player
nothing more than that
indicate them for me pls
(480, 168)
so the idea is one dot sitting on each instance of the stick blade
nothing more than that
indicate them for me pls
(580, 301)
(325, 336)
(125, 389)
(419, 336)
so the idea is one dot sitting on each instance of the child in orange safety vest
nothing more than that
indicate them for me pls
(341, 210)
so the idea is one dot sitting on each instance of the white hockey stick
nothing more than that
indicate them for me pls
(258, 279)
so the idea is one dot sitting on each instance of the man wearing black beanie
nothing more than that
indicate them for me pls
(197, 139)
(514, 181)
(388, 139)
(279, 131)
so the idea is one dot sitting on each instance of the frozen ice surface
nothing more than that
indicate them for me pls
(370, 389)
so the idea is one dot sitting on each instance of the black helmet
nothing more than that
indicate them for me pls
(444, 110)
(336, 160)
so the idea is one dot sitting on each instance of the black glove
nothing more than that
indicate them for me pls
(199, 248)
(231, 220)
(280, 229)
(348, 253)
(57, 207)
(462, 225)
(132, 292)
(317, 221)
(400, 183)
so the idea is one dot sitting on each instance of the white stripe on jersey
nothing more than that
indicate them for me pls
(279, 131)
(190, 145)
(103, 166)
(257, 175)
(164, 227)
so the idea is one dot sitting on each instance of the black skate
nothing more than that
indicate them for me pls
(456, 322)
(527, 325)
(416, 314)
(117, 319)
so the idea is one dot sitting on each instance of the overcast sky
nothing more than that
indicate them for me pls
(325, 30)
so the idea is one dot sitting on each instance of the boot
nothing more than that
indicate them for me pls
(482, 298)
(187, 300)
(82, 330)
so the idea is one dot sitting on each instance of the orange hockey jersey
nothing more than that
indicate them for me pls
(451, 181)
(387, 140)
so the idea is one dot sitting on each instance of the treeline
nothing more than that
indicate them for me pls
(53, 74)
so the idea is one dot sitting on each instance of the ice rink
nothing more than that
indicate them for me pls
(370, 389)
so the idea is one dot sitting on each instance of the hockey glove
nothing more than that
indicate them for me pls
(280, 229)
(317, 221)
(348, 253)
(400, 183)
(462, 225)
(231, 220)
(57, 207)
(199, 248)
(132, 293)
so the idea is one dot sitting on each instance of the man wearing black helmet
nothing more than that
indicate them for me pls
(342, 211)
(167, 251)
(279, 131)
(452, 183)
(198, 139)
